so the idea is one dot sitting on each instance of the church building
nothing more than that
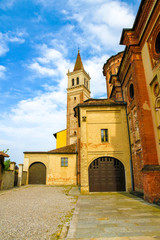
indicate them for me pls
(94, 149)
(111, 144)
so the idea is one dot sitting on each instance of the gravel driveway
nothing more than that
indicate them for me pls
(33, 212)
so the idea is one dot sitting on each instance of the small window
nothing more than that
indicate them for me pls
(86, 84)
(157, 43)
(73, 82)
(74, 99)
(156, 89)
(131, 91)
(77, 80)
(64, 162)
(104, 135)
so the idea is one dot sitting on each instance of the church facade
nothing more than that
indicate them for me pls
(138, 78)
(112, 144)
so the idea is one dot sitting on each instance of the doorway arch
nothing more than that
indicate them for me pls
(37, 173)
(106, 174)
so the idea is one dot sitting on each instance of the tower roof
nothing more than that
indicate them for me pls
(78, 64)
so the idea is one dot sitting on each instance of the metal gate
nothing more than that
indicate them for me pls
(106, 174)
(37, 173)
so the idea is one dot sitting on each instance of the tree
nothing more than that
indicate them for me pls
(6, 162)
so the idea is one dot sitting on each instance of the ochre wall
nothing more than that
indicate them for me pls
(61, 139)
(112, 118)
(111, 68)
(55, 175)
(152, 77)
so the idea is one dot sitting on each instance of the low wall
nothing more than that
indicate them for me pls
(7, 180)
(0, 175)
(24, 177)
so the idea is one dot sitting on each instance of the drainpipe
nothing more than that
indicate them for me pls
(131, 163)
(76, 165)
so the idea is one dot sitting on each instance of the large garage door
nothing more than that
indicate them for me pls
(106, 174)
(37, 173)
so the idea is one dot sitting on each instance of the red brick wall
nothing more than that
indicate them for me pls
(151, 181)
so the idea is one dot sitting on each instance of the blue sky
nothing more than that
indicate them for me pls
(39, 40)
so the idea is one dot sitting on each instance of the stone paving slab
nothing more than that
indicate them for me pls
(114, 216)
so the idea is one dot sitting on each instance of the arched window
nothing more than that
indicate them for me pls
(73, 82)
(77, 80)
(131, 90)
(157, 108)
(157, 43)
(86, 84)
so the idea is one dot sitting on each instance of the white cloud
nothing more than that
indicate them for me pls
(51, 62)
(4, 4)
(64, 11)
(101, 22)
(94, 68)
(30, 125)
(16, 39)
(3, 45)
(46, 3)
(2, 71)
(13, 37)
(118, 15)
(44, 71)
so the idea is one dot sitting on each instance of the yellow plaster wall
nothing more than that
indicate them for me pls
(61, 139)
(97, 118)
(150, 74)
(58, 175)
(55, 174)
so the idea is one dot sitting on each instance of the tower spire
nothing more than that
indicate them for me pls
(78, 64)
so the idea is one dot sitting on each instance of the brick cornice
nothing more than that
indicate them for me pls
(143, 16)
(129, 37)
(132, 53)
(133, 36)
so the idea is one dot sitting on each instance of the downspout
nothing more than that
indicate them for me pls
(76, 110)
(131, 163)
(76, 166)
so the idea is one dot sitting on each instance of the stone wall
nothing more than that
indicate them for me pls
(7, 180)
(24, 177)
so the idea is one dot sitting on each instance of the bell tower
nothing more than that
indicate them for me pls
(78, 91)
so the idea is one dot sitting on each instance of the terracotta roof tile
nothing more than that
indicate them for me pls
(78, 64)
(70, 149)
(4, 154)
(96, 102)
(67, 149)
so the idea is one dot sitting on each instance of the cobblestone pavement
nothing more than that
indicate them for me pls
(33, 212)
(114, 216)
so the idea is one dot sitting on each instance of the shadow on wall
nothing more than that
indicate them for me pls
(12, 177)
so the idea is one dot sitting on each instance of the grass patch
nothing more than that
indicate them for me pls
(57, 234)
(67, 190)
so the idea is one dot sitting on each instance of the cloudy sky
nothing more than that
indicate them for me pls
(39, 40)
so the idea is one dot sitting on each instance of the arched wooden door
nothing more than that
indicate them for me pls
(37, 173)
(106, 174)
